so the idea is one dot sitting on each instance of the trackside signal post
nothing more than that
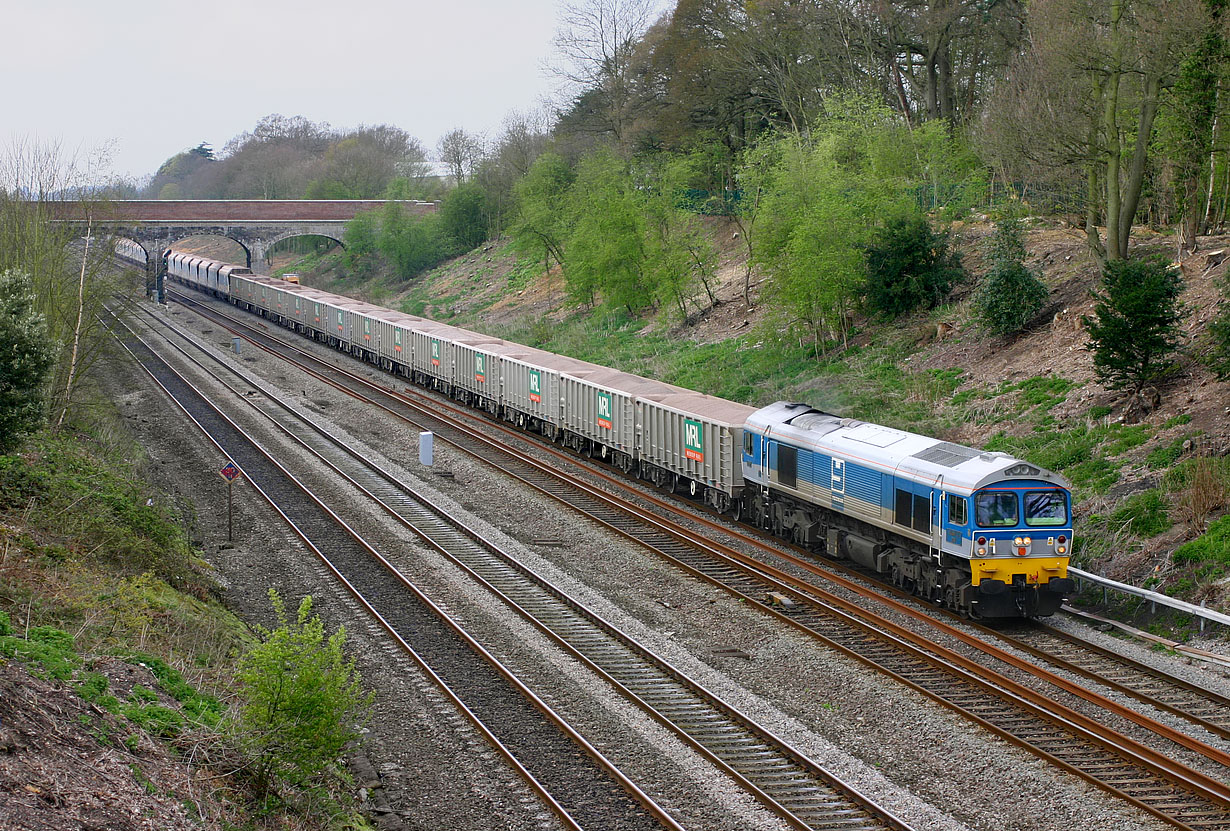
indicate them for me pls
(230, 472)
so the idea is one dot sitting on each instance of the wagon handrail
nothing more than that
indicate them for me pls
(1153, 597)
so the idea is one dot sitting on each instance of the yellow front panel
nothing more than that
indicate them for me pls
(1037, 570)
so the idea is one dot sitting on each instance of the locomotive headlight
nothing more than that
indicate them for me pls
(982, 552)
(1029, 540)
(1018, 541)
(1063, 549)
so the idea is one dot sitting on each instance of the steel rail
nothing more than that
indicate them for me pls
(1203, 786)
(782, 777)
(659, 815)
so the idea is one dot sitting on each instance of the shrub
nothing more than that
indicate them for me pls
(301, 699)
(1219, 336)
(908, 265)
(1008, 298)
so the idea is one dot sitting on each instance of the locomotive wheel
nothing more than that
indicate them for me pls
(736, 510)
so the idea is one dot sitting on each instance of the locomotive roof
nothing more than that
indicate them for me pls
(922, 457)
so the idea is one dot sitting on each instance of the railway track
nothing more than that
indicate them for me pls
(579, 785)
(1141, 775)
(782, 778)
(1205, 708)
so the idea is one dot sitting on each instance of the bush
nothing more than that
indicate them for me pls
(1008, 298)
(463, 216)
(908, 265)
(301, 699)
(1219, 334)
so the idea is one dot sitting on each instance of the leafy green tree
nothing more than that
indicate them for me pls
(1134, 331)
(463, 215)
(412, 243)
(301, 700)
(908, 266)
(1011, 294)
(361, 239)
(26, 358)
(606, 245)
(542, 220)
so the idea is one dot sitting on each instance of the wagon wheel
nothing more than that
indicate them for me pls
(736, 510)
(693, 488)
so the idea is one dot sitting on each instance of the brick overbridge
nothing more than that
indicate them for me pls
(257, 225)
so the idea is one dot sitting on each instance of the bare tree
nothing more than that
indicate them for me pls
(596, 41)
(461, 153)
(1085, 97)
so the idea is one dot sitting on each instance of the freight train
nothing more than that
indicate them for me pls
(983, 534)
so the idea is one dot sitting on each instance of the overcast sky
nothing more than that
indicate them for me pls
(150, 78)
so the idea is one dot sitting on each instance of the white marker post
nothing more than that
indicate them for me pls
(425, 449)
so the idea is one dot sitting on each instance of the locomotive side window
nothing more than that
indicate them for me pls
(958, 510)
(787, 465)
(913, 511)
(747, 442)
(995, 509)
(1046, 508)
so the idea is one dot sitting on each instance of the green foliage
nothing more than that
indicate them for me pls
(909, 266)
(463, 216)
(301, 699)
(1135, 329)
(542, 218)
(412, 243)
(361, 239)
(1210, 552)
(1166, 455)
(47, 650)
(606, 254)
(83, 496)
(1144, 514)
(819, 200)
(1219, 337)
(1011, 294)
(26, 359)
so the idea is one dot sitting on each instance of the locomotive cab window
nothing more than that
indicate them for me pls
(958, 510)
(747, 442)
(1046, 508)
(996, 509)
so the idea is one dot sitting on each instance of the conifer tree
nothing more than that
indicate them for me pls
(1134, 331)
(26, 357)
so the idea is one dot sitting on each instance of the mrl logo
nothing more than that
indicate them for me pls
(435, 353)
(693, 441)
(480, 368)
(605, 411)
(535, 386)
